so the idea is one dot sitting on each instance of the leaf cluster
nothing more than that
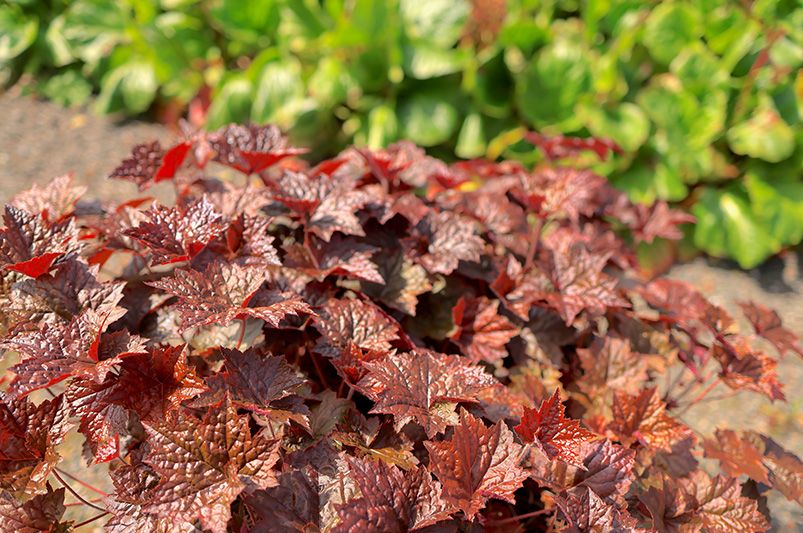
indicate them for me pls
(378, 342)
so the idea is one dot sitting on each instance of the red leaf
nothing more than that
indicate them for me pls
(643, 418)
(586, 511)
(40, 513)
(477, 463)
(153, 384)
(449, 239)
(649, 222)
(746, 368)
(293, 505)
(558, 437)
(424, 387)
(54, 202)
(767, 324)
(31, 246)
(57, 352)
(558, 146)
(610, 363)
(481, 332)
(250, 149)
(204, 465)
(29, 435)
(391, 500)
(223, 292)
(178, 234)
(149, 163)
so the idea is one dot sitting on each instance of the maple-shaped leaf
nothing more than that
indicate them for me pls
(676, 299)
(153, 384)
(449, 239)
(648, 222)
(702, 503)
(758, 457)
(424, 387)
(561, 192)
(29, 435)
(247, 242)
(643, 418)
(31, 246)
(54, 202)
(477, 463)
(223, 293)
(610, 363)
(263, 384)
(557, 436)
(586, 511)
(205, 464)
(178, 233)
(607, 469)
(481, 332)
(353, 325)
(40, 513)
(373, 439)
(77, 348)
(767, 324)
(325, 206)
(294, 504)
(404, 281)
(341, 256)
(746, 368)
(150, 163)
(391, 500)
(72, 287)
(570, 282)
(250, 149)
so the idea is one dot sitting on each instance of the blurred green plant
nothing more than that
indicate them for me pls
(705, 96)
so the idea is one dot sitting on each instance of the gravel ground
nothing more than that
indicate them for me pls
(40, 140)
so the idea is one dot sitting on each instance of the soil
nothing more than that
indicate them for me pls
(40, 140)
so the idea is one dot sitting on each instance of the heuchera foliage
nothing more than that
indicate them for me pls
(379, 342)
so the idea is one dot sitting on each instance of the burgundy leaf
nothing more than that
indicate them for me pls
(31, 246)
(424, 387)
(476, 463)
(250, 149)
(558, 437)
(149, 163)
(481, 332)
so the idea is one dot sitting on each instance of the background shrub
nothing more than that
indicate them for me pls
(703, 96)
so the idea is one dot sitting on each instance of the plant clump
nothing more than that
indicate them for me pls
(377, 342)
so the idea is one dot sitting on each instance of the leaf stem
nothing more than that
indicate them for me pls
(242, 332)
(89, 521)
(535, 236)
(318, 369)
(517, 517)
(74, 493)
(83, 483)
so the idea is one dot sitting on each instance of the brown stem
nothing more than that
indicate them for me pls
(89, 521)
(82, 483)
(242, 333)
(318, 369)
(517, 517)
(700, 396)
(78, 496)
(535, 236)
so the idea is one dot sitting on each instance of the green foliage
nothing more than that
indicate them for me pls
(704, 96)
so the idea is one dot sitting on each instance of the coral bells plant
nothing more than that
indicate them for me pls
(378, 342)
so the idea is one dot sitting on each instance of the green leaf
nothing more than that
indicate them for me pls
(438, 21)
(669, 28)
(93, 27)
(727, 227)
(471, 140)
(626, 124)
(382, 127)
(699, 71)
(428, 117)
(332, 82)
(423, 60)
(130, 87)
(246, 24)
(764, 135)
(778, 204)
(68, 88)
(553, 83)
(231, 103)
(17, 32)
(279, 93)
